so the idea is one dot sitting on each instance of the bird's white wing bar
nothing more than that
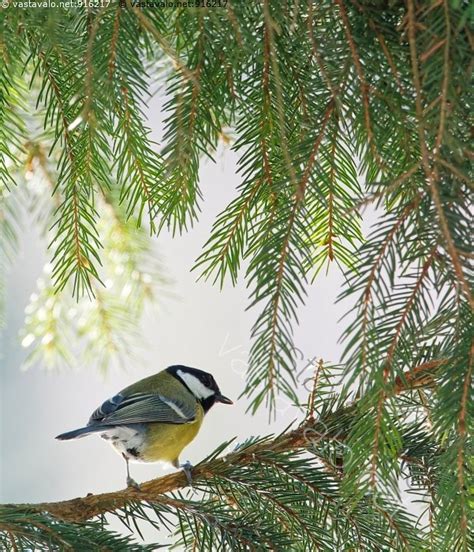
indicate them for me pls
(174, 406)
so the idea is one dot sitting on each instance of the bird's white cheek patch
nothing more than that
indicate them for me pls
(126, 440)
(198, 389)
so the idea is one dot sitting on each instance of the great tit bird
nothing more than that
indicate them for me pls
(155, 418)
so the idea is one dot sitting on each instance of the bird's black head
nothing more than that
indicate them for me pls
(201, 384)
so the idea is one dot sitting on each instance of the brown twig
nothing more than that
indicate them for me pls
(444, 88)
(317, 372)
(317, 55)
(125, 113)
(421, 376)
(467, 390)
(113, 44)
(78, 256)
(383, 44)
(285, 250)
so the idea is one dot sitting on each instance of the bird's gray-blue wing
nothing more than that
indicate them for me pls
(142, 408)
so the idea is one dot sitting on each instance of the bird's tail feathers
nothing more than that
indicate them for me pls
(77, 433)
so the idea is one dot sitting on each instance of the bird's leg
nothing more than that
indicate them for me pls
(130, 482)
(186, 467)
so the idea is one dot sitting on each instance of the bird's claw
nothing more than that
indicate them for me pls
(187, 467)
(133, 484)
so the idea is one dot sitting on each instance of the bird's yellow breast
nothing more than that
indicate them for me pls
(164, 442)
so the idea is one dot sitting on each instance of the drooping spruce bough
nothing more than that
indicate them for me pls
(330, 106)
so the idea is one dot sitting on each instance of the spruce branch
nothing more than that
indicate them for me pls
(430, 172)
(383, 43)
(76, 252)
(104, 329)
(410, 304)
(270, 57)
(333, 106)
(332, 426)
(25, 529)
(364, 87)
(150, 27)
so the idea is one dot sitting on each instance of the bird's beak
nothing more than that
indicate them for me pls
(222, 399)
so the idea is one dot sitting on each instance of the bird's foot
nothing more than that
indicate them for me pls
(133, 484)
(187, 467)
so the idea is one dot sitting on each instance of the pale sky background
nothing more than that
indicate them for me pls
(203, 327)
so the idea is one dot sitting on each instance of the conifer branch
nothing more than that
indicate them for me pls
(387, 364)
(320, 96)
(364, 87)
(82, 509)
(151, 28)
(382, 42)
(425, 156)
(367, 296)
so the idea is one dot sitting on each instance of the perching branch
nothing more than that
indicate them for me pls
(90, 506)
